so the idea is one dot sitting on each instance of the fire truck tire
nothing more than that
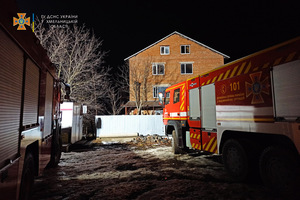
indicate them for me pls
(27, 177)
(56, 151)
(279, 169)
(235, 160)
(175, 148)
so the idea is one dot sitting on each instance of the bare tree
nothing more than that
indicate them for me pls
(114, 100)
(78, 57)
(136, 79)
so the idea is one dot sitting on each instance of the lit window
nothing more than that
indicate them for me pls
(185, 49)
(158, 69)
(176, 97)
(164, 50)
(186, 68)
(158, 89)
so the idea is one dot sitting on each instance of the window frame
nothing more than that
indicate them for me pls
(186, 45)
(163, 52)
(186, 63)
(156, 65)
(155, 90)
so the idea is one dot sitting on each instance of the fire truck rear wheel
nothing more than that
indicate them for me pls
(27, 178)
(279, 169)
(175, 148)
(235, 160)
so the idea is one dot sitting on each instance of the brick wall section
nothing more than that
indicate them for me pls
(203, 60)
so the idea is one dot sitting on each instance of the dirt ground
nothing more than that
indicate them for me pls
(141, 170)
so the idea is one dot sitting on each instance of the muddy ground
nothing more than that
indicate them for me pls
(135, 170)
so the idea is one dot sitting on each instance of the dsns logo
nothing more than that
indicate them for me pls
(22, 21)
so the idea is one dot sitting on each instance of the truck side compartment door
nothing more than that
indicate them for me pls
(194, 103)
(11, 78)
(286, 85)
(208, 107)
(208, 118)
(47, 132)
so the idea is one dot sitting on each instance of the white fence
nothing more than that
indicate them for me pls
(129, 125)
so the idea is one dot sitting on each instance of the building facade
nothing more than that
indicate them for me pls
(170, 60)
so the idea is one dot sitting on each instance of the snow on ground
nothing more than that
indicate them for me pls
(133, 171)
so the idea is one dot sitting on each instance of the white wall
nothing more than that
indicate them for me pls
(67, 114)
(71, 118)
(129, 125)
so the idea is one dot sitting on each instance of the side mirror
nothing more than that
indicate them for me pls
(68, 91)
(99, 124)
(160, 98)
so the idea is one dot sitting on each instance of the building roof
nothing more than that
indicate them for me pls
(184, 36)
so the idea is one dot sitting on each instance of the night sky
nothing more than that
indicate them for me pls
(235, 28)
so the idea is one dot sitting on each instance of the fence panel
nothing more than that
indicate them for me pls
(129, 125)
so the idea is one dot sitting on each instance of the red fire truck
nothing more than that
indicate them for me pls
(29, 108)
(247, 110)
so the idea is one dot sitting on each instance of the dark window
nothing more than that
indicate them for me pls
(185, 49)
(186, 68)
(164, 50)
(158, 69)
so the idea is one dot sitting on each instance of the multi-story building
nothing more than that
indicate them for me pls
(170, 60)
